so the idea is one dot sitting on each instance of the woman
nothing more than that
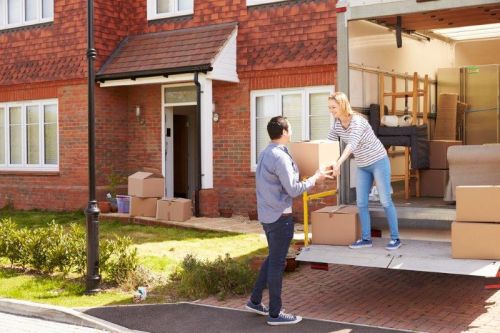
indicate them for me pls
(373, 164)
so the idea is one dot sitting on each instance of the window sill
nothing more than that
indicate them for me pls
(267, 3)
(26, 27)
(29, 173)
(161, 20)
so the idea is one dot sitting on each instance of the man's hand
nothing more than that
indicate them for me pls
(323, 173)
(335, 169)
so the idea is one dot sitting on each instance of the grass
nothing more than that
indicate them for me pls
(161, 249)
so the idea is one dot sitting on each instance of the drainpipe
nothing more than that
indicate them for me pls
(198, 129)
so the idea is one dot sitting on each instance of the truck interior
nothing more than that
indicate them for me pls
(401, 64)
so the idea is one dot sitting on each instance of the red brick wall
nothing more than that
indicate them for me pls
(66, 190)
(48, 52)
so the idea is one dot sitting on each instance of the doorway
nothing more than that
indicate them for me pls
(185, 150)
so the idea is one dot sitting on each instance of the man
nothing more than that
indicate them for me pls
(277, 183)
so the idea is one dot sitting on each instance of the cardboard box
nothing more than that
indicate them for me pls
(478, 204)
(446, 121)
(433, 183)
(311, 155)
(143, 206)
(174, 209)
(475, 240)
(335, 225)
(438, 152)
(145, 184)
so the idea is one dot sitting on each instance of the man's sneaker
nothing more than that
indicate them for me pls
(257, 308)
(360, 243)
(393, 244)
(283, 319)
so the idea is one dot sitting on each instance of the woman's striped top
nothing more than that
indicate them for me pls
(359, 136)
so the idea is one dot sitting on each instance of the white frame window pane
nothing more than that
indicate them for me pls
(15, 135)
(2, 135)
(265, 109)
(292, 109)
(319, 117)
(14, 10)
(33, 134)
(50, 134)
(164, 6)
(184, 5)
(30, 10)
(47, 9)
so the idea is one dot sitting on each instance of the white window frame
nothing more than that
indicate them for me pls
(153, 15)
(24, 166)
(4, 15)
(278, 94)
(261, 2)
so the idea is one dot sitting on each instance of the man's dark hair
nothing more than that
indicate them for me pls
(275, 127)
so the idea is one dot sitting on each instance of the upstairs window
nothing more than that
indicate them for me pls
(18, 13)
(158, 9)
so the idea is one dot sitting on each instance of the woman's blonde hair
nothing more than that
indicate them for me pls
(343, 101)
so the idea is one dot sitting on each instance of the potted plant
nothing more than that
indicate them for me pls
(252, 215)
(114, 180)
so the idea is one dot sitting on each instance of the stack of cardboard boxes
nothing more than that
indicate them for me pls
(146, 190)
(476, 232)
(331, 225)
(433, 180)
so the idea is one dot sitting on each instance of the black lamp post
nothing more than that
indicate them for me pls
(92, 211)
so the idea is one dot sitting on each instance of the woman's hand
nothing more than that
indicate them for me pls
(336, 169)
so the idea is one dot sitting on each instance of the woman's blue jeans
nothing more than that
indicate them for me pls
(379, 171)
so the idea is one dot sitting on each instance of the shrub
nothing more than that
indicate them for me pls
(222, 277)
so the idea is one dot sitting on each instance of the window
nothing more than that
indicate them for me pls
(305, 108)
(261, 2)
(28, 136)
(167, 8)
(16, 13)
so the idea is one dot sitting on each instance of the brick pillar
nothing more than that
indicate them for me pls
(209, 202)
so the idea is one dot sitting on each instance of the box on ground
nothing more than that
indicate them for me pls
(433, 182)
(335, 225)
(174, 209)
(438, 151)
(146, 185)
(475, 240)
(143, 206)
(478, 204)
(311, 155)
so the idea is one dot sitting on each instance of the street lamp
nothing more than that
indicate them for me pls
(92, 212)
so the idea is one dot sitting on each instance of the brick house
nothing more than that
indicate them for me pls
(185, 87)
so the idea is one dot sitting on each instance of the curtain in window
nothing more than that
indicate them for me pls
(319, 121)
(16, 135)
(163, 6)
(292, 109)
(14, 8)
(47, 8)
(185, 5)
(265, 110)
(50, 134)
(33, 134)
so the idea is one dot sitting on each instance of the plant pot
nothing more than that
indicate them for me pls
(256, 262)
(252, 215)
(298, 245)
(291, 264)
(104, 207)
(226, 212)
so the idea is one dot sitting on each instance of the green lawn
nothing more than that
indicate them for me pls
(159, 248)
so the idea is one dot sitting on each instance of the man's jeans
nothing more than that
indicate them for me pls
(279, 234)
(381, 172)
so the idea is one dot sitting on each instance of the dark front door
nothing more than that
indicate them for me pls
(181, 155)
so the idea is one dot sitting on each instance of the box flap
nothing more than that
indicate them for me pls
(342, 209)
(140, 175)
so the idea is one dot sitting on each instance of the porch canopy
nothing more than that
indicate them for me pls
(153, 57)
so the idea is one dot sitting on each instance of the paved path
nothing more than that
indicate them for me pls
(19, 324)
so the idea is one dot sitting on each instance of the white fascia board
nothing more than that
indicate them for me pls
(224, 63)
(148, 80)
